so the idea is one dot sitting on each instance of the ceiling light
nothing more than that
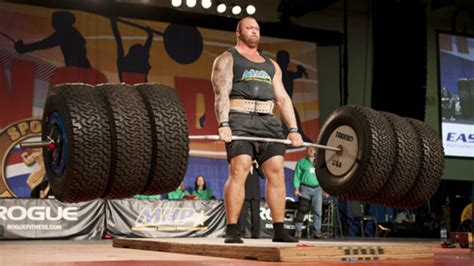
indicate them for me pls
(250, 9)
(221, 8)
(236, 10)
(191, 3)
(206, 3)
(176, 3)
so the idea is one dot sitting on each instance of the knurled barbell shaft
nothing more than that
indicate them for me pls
(258, 139)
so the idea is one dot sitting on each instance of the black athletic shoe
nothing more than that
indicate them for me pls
(280, 235)
(285, 237)
(232, 235)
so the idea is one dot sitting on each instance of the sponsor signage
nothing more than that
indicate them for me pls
(51, 219)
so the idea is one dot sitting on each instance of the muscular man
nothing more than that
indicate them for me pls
(246, 85)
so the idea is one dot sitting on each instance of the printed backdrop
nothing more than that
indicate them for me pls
(41, 47)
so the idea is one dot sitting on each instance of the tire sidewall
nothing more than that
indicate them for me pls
(335, 184)
(57, 104)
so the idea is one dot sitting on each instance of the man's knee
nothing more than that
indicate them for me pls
(274, 165)
(240, 167)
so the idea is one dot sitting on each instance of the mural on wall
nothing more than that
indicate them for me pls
(41, 47)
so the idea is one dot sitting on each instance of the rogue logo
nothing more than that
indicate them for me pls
(38, 213)
(20, 169)
(460, 137)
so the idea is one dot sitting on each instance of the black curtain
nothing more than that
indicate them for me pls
(400, 57)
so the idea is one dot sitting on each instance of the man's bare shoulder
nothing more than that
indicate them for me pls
(224, 59)
(274, 63)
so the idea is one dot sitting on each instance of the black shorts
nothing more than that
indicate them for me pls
(255, 125)
(260, 151)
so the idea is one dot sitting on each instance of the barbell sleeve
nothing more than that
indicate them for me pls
(258, 139)
(34, 144)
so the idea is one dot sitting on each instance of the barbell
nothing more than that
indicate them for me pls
(51, 144)
(118, 140)
(270, 140)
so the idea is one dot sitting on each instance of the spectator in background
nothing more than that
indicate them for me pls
(447, 104)
(310, 194)
(179, 193)
(201, 191)
(251, 202)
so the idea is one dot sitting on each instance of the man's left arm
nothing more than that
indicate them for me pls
(284, 104)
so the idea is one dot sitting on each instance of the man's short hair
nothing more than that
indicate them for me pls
(239, 24)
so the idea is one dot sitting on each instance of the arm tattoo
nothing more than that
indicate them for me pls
(221, 78)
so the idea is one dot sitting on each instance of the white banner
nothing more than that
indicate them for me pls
(458, 139)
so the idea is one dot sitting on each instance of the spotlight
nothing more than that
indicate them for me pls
(236, 10)
(206, 3)
(176, 3)
(191, 3)
(250, 9)
(221, 8)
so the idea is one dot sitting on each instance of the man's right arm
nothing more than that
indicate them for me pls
(221, 79)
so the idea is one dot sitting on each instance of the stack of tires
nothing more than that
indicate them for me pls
(114, 140)
(398, 161)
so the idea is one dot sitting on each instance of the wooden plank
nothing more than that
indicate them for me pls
(227, 251)
(265, 250)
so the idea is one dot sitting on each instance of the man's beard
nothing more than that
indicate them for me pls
(251, 42)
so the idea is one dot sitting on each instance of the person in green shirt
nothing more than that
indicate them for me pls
(201, 191)
(309, 192)
(179, 193)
